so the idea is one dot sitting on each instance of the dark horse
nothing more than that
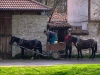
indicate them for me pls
(27, 44)
(84, 44)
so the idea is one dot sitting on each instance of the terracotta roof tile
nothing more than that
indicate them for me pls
(22, 5)
(79, 32)
(59, 24)
(59, 20)
(58, 16)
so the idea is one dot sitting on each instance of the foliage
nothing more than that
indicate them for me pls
(79, 69)
(61, 6)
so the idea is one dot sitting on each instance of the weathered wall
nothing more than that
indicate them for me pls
(93, 34)
(95, 10)
(77, 14)
(28, 27)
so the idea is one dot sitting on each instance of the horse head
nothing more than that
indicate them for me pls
(12, 40)
(72, 39)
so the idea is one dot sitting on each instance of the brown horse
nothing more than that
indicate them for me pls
(84, 44)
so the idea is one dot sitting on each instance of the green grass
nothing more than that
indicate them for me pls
(78, 69)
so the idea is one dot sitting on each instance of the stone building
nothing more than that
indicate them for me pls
(84, 16)
(21, 18)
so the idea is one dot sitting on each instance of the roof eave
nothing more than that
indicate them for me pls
(26, 9)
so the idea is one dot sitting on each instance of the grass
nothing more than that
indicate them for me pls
(78, 69)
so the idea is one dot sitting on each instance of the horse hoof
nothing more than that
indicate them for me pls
(69, 58)
(21, 59)
(82, 58)
(91, 59)
(77, 58)
(32, 58)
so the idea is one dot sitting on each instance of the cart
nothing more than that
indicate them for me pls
(56, 50)
(53, 50)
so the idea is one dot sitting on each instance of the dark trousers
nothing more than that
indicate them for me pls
(68, 51)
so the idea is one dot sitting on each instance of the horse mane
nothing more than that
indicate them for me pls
(17, 38)
(74, 39)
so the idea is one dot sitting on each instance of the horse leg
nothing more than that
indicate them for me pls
(34, 52)
(93, 53)
(81, 53)
(91, 57)
(70, 51)
(22, 53)
(95, 49)
(40, 51)
(78, 54)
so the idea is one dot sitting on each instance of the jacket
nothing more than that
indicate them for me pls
(50, 34)
(65, 39)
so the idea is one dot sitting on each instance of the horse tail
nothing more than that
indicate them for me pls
(95, 46)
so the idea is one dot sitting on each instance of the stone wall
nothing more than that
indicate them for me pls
(95, 10)
(93, 34)
(28, 27)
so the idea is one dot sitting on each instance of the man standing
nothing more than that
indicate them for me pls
(68, 46)
(51, 36)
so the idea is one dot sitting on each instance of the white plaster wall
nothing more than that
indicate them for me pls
(77, 11)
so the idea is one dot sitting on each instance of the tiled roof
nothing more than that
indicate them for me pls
(58, 20)
(22, 5)
(79, 32)
(58, 16)
(59, 24)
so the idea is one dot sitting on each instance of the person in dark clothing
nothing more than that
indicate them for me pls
(68, 46)
(51, 36)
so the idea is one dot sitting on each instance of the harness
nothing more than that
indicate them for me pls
(21, 41)
(35, 46)
(78, 40)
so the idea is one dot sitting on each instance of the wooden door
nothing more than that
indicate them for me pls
(61, 35)
(5, 34)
